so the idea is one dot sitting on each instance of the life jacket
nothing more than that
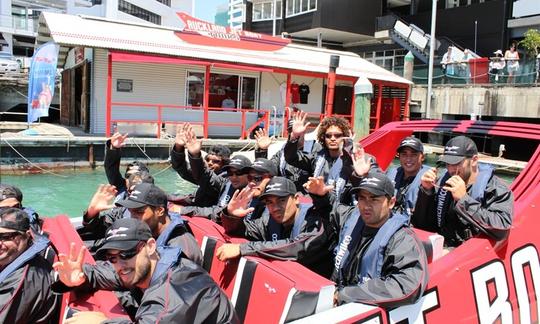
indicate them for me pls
(176, 222)
(350, 236)
(408, 201)
(40, 243)
(334, 174)
(253, 203)
(275, 230)
(308, 146)
(226, 195)
(168, 257)
(444, 198)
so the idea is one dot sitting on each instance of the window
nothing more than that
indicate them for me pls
(392, 60)
(227, 91)
(297, 7)
(264, 10)
(165, 2)
(138, 12)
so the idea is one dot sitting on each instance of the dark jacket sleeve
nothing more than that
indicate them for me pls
(112, 167)
(101, 276)
(403, 279)
(179, 164)
(101, 223)
(494, 216)
(298, 158)
(213, 212)
(233, 225)
(423, 216)
(259, 153)
(312, 239)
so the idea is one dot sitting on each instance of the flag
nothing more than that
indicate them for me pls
(41, 80)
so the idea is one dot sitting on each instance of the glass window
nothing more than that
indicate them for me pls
(267, 10)
(278, 9)
(223, 90)
(195, 89)
(138, 12)
(249, 85)
(312, 4)
(290, 10)
(257, 11)
(296, 6)
(305, 5)
(264, 10)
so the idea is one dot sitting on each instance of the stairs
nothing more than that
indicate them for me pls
(413, 39)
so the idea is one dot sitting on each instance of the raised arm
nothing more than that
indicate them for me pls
(113, 155)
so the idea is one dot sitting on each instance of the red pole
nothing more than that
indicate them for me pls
(334, 63)
(159, 121)
(379, 107)
(352, 108)
(406, 112)
(108, 113)
(287, 104)
(206, 100)
(243, 125)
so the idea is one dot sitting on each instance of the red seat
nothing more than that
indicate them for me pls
(433, 244)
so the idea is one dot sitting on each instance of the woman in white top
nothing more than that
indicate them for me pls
(512, 65)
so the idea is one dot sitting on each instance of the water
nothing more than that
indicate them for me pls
(70, 194)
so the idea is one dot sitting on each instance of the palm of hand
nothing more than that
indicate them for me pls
(193, 145)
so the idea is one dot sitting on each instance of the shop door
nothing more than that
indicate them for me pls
(390, 110)
(84, 121)
(65, 98)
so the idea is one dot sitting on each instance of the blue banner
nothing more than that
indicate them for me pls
(41, 80)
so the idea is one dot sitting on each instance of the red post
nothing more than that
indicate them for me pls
(330, 86)
(206, 99)
(159, 121)
(243, 126)
(352, 108)
(108, 113)
(379, 107)
(406, 112)
(287, 106)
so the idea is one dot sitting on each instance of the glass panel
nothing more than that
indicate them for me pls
(305, 5)
(248, 92)
(296, 6)
(223, 90)
(312, 4)
(267, 10)
(290, 4)
(195, 88)
(278, 9)
(257, 11)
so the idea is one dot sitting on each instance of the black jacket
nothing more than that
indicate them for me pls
(197, 173)
(311, 247)
(26, 296)
(185, 293)
(112, 167)
(468, 217)
(404, 273)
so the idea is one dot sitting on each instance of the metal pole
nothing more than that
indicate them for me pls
(274, 18)
(475, 34)
(431, 54)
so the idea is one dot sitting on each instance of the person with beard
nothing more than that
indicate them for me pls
(469, 199)
(216, 158)
(333, 161)
(171, 289)
(287, 230)
(407, 176)
(235, 179)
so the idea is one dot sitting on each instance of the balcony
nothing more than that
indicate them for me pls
(18, 25)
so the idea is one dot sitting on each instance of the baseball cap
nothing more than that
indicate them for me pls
(498, 52)
(9, 191)
(411, 142)
(377, 183)
(262, 165)
(124, 234)
(457, 149)
(145, 194)
(279, 186)
(15, 219)
(238, 162)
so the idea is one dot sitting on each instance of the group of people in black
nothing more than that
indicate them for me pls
(325, 204)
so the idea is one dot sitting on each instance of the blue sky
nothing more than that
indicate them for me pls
(206, 9)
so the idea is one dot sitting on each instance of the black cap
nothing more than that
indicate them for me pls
(15, 219)
(412, 142)
(9, 191)
(377, 183)
(279, 186)
(457, 149)
(238, 162)
(262, 165)
(145, 194)
(124, 234)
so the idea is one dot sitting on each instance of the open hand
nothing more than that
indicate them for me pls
(69, 268)
(180, 139)
(263, 140)
(238, 205)
(317, 186)
(118, 140)
(361, 162)
(102, 200)
(193, 145)
(299, 126)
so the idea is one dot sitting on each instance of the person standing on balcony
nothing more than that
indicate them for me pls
(512, 65)
(448, 61)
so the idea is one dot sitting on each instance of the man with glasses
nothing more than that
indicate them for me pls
(216, 158)
(407, 176)
(287, 230)
(170, 289)
(235, 179)
(25, 276)
(467, 200)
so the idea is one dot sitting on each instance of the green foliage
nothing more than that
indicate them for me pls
(531, 42)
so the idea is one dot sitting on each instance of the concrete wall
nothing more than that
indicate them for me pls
(495, 101)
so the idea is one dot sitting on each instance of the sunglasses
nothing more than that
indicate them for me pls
(215, 161)
(4, 237)
(330, 135)
(255, 178)
(234, 173)
(125, 255)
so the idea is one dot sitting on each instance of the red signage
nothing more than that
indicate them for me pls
(204, 33)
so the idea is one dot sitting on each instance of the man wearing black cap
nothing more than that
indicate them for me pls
(235, 179)
(287, 231)
(11, 196)
(217, 157)
(378, 259)
(25, 276)
(470, 200)
(173, 289)
(407, 176)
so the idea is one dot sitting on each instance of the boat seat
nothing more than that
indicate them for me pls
(433, 243)
(62, 234)
(251, 282)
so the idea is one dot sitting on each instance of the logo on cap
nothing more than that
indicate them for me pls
(258, 163)
(273, 187)
(451, 149)
(116, 232)
(407, 142)
(370, 181)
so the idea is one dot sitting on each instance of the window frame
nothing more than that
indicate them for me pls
(299, 6)
(261, 6)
